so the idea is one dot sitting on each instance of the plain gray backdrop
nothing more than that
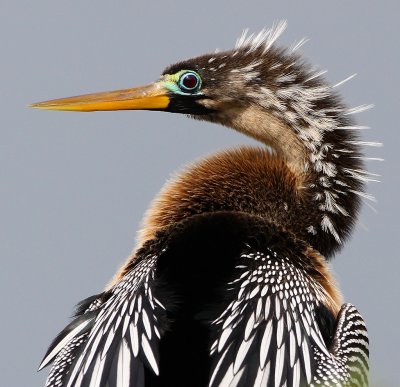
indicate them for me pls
(74, 186)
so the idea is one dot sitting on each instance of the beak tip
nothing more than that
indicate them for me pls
(36, 105)
(44, 106)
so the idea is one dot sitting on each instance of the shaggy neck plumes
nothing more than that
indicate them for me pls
(271, 95)
(318, 146)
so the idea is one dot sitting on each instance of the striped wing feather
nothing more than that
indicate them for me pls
(112, 344)
(269, 336)
(347, 364)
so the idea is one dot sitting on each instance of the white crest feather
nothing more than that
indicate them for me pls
(265, 38)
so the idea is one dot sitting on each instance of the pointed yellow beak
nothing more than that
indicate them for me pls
(150, 97)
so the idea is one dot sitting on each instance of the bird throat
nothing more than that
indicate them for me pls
(258, 123)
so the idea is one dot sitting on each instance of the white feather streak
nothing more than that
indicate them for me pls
(132, 305)
(92, 353)
(280, 357)
(123, 366)
(299, 44)
(327, 225)
(344, 80)
(364, 195)
(279, 333)
(149, 354)
(317, 74)
(241, 353)
(265, 38)
(217, 367)
(235, 381)
(139, 303)
(110, 338)
(353, 127)
(296, 374)
(262, 376)
(265, 343)
(249, 327)
(298, 332)
(63, 343)
(367, 158)
(267, 307)
(227, 380)
(292, 348)
(127, 320)
(134, 339)
(365, 143)
(258, 309)
(97, 372)
(358, 109)
(223, 338)
(307, 363)
(264, 290)
(232, 316)
(320, 344)
(277, 308)
(146, 323)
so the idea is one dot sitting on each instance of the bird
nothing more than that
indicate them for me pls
(230, 283)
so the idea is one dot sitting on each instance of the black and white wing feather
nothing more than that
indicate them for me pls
(269, 328)
(114, 340)
(347, 364)
(269, 334)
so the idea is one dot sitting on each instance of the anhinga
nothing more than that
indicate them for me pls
(230, 284)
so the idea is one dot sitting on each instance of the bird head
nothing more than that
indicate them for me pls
(210, 86)
(199, 86)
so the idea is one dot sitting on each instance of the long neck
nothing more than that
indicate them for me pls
(323, 156)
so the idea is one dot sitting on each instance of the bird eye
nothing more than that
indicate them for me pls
(189, 82)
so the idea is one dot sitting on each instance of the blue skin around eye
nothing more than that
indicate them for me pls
(184, 88)
(182, 79)
(176, 86)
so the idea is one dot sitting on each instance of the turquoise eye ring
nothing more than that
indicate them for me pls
(189, 82)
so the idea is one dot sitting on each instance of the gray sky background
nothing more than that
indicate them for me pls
(73, 186)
